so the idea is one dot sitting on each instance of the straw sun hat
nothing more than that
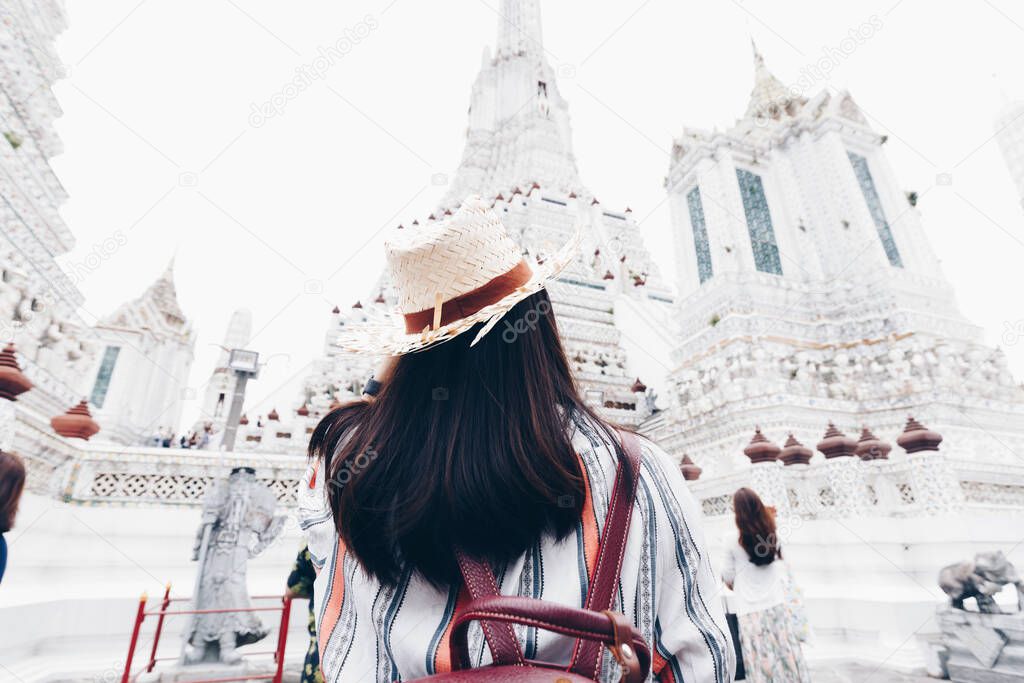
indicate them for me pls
(450, 275)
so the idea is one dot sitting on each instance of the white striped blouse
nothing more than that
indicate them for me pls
(372, 632)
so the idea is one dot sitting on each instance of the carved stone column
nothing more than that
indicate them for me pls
(843, 472)
(880, 490)
(766, 472)
(936, 486)
(796, 459)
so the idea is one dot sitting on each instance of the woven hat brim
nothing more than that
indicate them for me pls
(383, 333)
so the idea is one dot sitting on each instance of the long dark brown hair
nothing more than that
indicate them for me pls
(464, 447)
(12, 482)
(756, 524)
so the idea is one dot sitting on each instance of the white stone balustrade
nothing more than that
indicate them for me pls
(928, 483)
(109, 474)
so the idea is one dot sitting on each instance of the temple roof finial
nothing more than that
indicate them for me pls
(758, 57)
(770, 98)
(164, 296)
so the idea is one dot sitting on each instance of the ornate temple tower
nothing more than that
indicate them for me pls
(1009, 127)
(519, 156)
(338, 377)
(221, 385)
(140, 376)
(809, 292)
(37, 299)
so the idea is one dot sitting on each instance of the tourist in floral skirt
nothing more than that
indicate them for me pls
(755, 571)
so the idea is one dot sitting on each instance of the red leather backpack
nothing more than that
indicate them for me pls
(595, 626)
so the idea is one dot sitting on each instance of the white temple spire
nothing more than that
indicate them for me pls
(519, 32)
(770, 98)
(758, 57)
(518, 133)
(164, 297)
(168, 273)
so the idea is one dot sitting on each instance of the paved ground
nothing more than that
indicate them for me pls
(823, 672)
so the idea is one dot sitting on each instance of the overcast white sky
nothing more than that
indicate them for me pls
(160, 145)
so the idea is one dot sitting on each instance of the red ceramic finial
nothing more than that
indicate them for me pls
(836, 444)
(870, 447)
(691, 471)
(272, 415)
(916, 437)
(76, 423)
(302, 411)
(760, 449)
(638, 387)
(12, 381)
(243, 420)
(795, 453)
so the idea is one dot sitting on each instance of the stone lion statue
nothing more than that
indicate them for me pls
(981, 579)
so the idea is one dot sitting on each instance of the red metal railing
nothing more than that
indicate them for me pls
(163, 612)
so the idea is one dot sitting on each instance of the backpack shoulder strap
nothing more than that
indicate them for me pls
(605, 583)
(480, 583)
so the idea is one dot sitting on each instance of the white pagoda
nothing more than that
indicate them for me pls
(808, 292)
(519, 156)
(138, 383)
(38, 301)
(221, 386)
(132, 365)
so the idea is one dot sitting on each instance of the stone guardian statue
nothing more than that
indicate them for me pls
(238, 523)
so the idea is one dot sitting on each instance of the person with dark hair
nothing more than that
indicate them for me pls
(755, 571)
(12, 483)
(477, 457)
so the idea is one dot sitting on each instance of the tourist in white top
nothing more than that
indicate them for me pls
(755, 571)
(754, 587)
